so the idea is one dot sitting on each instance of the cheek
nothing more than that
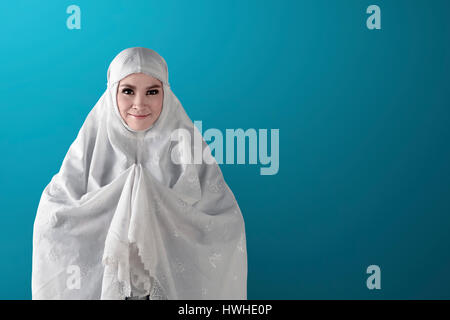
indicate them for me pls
(159, 104)
(122, 104)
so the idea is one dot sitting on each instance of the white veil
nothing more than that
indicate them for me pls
(119, 193)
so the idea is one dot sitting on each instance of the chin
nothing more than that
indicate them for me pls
(140, 127)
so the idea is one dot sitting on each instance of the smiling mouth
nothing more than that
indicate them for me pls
(140, 116)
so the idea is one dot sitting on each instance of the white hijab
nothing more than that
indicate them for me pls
(119, 195)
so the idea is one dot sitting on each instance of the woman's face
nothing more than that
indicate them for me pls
(140, 99)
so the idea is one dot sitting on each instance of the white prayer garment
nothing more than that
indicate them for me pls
(121, 218)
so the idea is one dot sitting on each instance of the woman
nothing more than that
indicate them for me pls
(125, 217)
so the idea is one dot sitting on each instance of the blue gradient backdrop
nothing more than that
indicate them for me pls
(363, 116)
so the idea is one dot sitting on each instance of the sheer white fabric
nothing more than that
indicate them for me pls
(121, 216)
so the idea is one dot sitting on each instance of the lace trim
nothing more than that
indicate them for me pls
(123, 287)
(157, 292)
(150, 282)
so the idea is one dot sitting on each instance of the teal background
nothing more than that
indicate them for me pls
(363, 115)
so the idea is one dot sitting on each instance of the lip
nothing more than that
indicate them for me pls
(140, 116)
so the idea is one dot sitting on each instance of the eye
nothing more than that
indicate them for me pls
(126, 89)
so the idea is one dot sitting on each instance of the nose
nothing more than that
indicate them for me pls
(139, 100)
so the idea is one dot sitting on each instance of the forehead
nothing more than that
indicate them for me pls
(140, 79)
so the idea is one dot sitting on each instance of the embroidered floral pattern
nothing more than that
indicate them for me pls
(154, 160)
(86, 271)
(53, 254)
(216, 187)
(208, 225)
(193, 179)
(183, 204)
(179, 267)
(157, 292)
(214, 258)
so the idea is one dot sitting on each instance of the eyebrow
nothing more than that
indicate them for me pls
(133, 87)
